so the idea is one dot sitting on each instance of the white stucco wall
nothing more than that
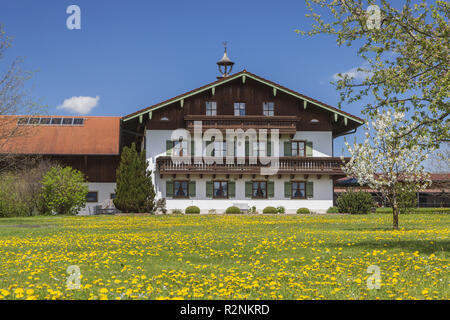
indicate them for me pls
(104, 192)
(323, 188)
(320, 202)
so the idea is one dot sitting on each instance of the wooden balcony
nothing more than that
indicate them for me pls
(283, 165)
(285, 124)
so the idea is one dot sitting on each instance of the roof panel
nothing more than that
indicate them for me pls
(97, 136)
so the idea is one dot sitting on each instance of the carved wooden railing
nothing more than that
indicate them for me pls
(250, 165)
(286, 124)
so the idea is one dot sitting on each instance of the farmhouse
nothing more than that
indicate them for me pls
(241, 140)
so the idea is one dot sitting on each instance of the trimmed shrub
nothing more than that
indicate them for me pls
(64, 190)
(270, 210)
(333, 210)
(192, 210)
(355, 202)
(233, 210)
(303, 211)
(281, 209)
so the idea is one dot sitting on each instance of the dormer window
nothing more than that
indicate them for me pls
(239, 108)
(211, 108)
(164, 119)
(268, 109)
(314, 121)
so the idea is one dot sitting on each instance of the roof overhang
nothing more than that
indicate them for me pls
(244, 75)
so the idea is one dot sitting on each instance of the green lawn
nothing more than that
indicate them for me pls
(225, 257)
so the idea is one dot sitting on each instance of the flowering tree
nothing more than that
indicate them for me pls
(406, 57)
(388, 162)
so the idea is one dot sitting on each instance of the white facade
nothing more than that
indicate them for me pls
(321, 200)
(104, 191)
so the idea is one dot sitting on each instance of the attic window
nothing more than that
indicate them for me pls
(164, 119)
(314, 121)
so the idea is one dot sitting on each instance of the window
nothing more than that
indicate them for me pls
(268, 108)
(180, 148)
(259, 148)
(56, 120)
(239, 109)
(259, 189)
(92, 196)
(298, 190)
(45, 121)
(164, 119)
(314, 121)
(67, 121)
(112, 195)
(211, 108)
(298, 148)
(220, 149)
(220, 189)
(180, 189)
(78, 121)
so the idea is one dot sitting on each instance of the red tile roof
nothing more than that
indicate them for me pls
(97, 136)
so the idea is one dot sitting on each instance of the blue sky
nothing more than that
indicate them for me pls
(132, 54)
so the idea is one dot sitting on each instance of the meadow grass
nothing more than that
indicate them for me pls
(225, 257)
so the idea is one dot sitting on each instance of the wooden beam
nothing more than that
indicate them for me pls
(140, 119)
(150, 115)
(335, 117)
(213, 90)
(243, 79)
(345, 121)
(304, 104)
(182, 103)
(274, 91)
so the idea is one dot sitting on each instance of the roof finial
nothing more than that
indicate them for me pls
(225, 64)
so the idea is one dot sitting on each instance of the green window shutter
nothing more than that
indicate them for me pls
(270, 189)
(169, 189)
(269, 148)
(169, 147)
(309, 148)
(192, 189)
(248, 189)
(209, 189)
(287, 149)
(192, 147)
(309, 189)
(247, 148)
(231, 189)
(287, 189)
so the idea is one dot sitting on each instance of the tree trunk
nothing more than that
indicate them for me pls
(395, 215)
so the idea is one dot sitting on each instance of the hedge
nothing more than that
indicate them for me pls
(416, 210)
(192, 209)
(270, 210)
(233, 209)
(333, 210)
(303, 211)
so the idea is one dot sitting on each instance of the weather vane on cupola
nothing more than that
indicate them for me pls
(225, 64)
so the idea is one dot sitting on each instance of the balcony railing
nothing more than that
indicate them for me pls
(250, 165)
(285, 124)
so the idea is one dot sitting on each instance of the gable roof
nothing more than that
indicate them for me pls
(97, 136)
(243, 73)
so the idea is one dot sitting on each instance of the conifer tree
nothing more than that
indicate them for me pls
(134, 191)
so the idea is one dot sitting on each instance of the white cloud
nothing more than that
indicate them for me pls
(353, 73)
(79, 105)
